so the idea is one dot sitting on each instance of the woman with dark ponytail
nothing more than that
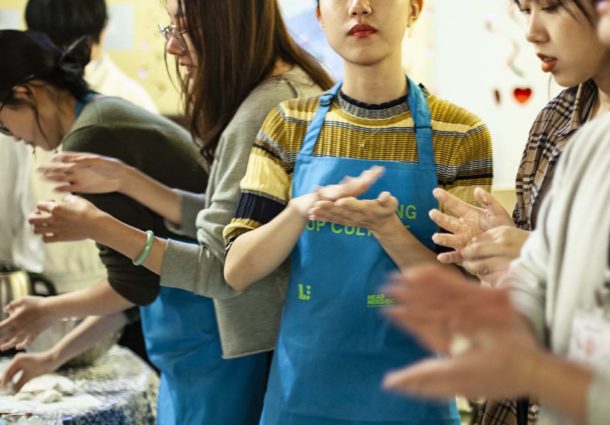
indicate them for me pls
(46, 103)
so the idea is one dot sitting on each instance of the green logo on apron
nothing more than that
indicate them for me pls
(304, 292)
(378, 300)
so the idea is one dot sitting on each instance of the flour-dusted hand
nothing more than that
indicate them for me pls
(29, 366)
(28, 317)
(489, 254)
(468, 221)
(377, 215)
(70, 220)
(441, 307)
(351, 186)
(85, 173)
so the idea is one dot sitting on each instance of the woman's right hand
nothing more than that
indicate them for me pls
(469, 221)
(491, 348)
(28, 317)
(31, 365)
(72, 219)
(85, 173)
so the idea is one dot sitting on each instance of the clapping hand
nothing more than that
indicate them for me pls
(491, 351)
(469, 221)
(339, 203)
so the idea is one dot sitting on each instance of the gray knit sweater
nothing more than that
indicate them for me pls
(248, 322)
(567, 259)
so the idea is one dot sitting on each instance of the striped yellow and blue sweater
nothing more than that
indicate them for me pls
(461, 141)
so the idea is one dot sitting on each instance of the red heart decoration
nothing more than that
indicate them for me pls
(522, 95)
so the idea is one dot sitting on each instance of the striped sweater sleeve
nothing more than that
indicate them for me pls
(474, 164)
(265, 188)
(463, 150)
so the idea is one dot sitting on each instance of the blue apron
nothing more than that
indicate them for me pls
(80, 103)
(197, 386)
(334, 347)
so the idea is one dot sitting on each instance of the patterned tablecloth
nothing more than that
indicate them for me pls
(119, 389)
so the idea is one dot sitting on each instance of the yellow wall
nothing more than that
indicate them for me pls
(144, 62)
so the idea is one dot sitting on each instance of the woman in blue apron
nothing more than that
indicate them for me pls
(334, 346)
(180, 326)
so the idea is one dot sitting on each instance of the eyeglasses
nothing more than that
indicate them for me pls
(170, 32)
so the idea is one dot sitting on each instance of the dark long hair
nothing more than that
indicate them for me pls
(237, 44)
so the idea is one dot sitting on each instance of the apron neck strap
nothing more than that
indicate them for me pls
(418, 105)
(420, 111)
(313, 131)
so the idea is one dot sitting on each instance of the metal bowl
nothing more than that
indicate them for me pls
(59, 329)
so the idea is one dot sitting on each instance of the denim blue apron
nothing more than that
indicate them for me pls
(197, 386)
(334, 347)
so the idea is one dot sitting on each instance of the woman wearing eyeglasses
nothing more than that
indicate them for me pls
(232, 76)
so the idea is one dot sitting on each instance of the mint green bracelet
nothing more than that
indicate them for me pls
(150, 238)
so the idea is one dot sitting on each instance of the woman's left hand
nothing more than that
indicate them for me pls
(376, 215)
(469, 221)
(490, 254)
(73, 219)
(351, 186)
(27, 366)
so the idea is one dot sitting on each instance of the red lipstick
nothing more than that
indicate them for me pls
(548, 63)
(362, 31)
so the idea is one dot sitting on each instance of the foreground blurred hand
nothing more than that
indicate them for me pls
(70, 220)
(469, 221)
(28, 317)
(85, 173)
(492, 351)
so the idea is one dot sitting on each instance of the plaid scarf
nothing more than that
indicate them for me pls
(550, 133)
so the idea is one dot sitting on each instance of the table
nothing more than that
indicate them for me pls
(118, 389)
